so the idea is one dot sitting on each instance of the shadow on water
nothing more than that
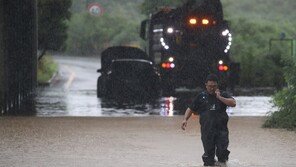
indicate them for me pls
(126, 106)
(164, 106)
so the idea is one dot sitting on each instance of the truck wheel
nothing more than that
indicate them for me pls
(101, 88)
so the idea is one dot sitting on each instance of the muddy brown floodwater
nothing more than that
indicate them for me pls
(153, 141)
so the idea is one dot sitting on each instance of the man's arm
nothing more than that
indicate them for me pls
(228, 101)
(187, 115)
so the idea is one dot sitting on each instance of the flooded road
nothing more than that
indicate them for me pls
(126, 133)
(73, 93)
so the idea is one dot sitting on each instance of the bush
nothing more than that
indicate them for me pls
(46, 69)
(285, 100)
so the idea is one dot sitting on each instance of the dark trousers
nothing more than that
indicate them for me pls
(215, 141)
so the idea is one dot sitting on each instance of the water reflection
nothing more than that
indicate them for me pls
(163, 106)
(85, 103)
(128, 107)
(167, 108)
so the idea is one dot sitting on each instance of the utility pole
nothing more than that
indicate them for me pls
(292, 45)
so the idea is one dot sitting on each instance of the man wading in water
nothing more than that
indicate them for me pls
(211, 106)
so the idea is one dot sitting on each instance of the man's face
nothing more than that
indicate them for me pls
(211, 87)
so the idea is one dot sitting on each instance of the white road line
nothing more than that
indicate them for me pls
(71, 78)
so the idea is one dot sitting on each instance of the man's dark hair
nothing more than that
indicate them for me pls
(212, 77)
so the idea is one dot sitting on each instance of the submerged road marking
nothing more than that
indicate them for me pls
(71, 78)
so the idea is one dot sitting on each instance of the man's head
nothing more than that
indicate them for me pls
(211, 83)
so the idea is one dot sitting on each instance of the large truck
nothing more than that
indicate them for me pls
(189, 42)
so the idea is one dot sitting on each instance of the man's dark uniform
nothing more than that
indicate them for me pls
(213, 121)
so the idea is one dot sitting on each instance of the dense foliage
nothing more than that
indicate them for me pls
(52, 27)
(285, 100)
(152, 6)
(118, 25)
(254, 23)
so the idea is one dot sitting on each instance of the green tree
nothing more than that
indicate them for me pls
(90, 35)
(52, 27)
(118, 25)
(250, 48)
(150, 6)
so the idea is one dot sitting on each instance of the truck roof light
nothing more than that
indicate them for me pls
(205, 21)
(192, 21)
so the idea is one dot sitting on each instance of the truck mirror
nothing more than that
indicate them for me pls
(143, 29)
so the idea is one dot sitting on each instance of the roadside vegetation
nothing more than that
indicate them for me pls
(52, 25)
(254, 23)
(285, 100)
(52, 34)
(47, 67)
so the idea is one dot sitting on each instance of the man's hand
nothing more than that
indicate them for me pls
(184, 124)
(228, 101)
(187, 115)
(218, 93)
